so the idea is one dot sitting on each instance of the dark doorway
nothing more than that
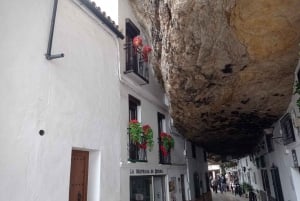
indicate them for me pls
(277, 184)
(182, 187)
(197, 185)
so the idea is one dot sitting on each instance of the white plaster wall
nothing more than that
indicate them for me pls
(153, 88)
(251, 168)
(178, 153)
(75, 99)
(152, 102)
(296, 181)
(148, 116)
(196, 165)
(281, 157)
(175, 172)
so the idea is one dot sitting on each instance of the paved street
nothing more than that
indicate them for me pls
(227, 197)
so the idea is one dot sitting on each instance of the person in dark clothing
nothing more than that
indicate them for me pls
(238, 189)
(215, 185)
(252, 196)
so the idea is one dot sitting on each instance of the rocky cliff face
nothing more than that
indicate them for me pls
(227, 66)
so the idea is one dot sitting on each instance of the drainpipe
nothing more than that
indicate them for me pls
(48, 55)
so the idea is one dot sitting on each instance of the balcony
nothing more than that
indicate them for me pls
(136, 66)
(137, 152)
(165, 158)
(166, 143)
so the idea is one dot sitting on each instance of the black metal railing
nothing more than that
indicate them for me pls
(164, 155)
(165, 159)
(135, 62)
(137, 152)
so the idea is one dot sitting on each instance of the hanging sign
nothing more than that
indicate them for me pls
(146, 171)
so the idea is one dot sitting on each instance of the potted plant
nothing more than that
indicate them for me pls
(167, 143)
(141, 136)
(148, 137)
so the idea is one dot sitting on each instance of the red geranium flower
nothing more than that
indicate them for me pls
(167, 141)
(163, 150)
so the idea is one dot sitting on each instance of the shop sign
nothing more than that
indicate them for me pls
(146, 171)
(295, 160)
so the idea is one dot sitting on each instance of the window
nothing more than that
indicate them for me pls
(193, 150)
(269, 141)
(197, 185)
(287, 129)
(205, 156)
(135, 152)
(254, 178)
(265, 180)
(257, 162)
(262, 161)
(248, 177)
(133, 108)
(136, 67)
(277, 183)
(147, 188)
(163, 157)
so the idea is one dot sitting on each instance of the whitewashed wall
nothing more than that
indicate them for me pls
(75, 99)
(152, 99)
(281, 159)
(196, 165)
(282, 155)
(255, 174)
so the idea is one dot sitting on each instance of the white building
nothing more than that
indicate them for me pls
(274, 170)
(214, 170)
(198, 175)
(66, 104)
(50, 108)
(149, 175)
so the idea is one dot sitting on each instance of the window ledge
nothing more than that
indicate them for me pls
(134, 161)
(139, 79)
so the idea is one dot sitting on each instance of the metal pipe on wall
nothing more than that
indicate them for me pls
(48, 54)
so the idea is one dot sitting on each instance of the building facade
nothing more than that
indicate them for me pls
(158, 174)
(59, 114)
(273, 169)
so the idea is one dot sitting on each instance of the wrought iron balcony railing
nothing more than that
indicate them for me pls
(164, 155)
(136, 66)
(165, 159)
(137, 152)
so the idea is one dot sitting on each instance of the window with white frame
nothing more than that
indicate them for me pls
(136, 153)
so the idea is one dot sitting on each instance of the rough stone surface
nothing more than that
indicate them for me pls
(227, 66)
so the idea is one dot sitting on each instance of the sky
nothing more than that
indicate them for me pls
(110, 7)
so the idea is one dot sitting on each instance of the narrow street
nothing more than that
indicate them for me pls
(227, 197)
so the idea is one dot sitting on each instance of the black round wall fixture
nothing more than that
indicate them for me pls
(41, 132)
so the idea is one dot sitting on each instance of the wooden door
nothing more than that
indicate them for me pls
(79, 176)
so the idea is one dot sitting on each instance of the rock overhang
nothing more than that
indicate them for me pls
(227, 67)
